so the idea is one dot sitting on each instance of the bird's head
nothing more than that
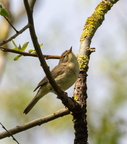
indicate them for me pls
(67, 56)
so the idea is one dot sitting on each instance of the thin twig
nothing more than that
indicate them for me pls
(60, 113)
(32, 3)
(17, 52)
(15, 35)
(9, 133)
(11, 24)
(27, 54)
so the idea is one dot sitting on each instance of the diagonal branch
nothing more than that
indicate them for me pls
(9, 133)
(37, 122)
(68, 102)
(15, 35)
(11, 24)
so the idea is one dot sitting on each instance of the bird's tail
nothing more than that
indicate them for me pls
(31, 105)
(40, 94)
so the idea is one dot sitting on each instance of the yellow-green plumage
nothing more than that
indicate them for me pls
(65, 74)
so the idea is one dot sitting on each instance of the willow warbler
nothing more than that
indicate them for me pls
(65, 74)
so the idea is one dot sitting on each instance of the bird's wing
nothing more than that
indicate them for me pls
(58, 70)
(41, 83)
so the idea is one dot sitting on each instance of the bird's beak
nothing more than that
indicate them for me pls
(70, 50)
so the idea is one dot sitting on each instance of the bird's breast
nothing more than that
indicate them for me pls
(68, 77)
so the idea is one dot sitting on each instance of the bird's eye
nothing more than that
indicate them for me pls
(64, 56)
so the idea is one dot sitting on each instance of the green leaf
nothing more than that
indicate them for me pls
(41, 45)
(24, 46)
(32, 51)
(17, 57)
(0, 6)
(16, 47)
(4, 12)
(20, 48)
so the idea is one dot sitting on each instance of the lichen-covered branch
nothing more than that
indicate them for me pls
(96, 19)
(80, 92)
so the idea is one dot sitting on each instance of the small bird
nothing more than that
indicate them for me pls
(65, 75)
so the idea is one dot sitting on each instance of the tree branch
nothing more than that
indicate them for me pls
(9, 133)
(32, 3)
(27, 54)
(68, 102)
(15, 35)
(17, 52)
(37, 122)
(11, 25)
(80, 93)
